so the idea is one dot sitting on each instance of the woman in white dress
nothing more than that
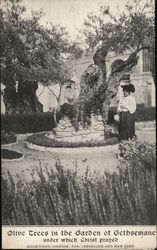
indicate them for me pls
(126, 110)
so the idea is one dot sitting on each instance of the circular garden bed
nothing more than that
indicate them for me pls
(43, 140)
(8, 138)
(7, 154)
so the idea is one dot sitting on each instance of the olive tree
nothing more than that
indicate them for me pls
(133, 30)
(30, 52)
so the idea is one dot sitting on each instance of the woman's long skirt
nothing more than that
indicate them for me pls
(126, 127)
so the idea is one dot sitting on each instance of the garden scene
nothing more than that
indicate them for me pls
(66, 159)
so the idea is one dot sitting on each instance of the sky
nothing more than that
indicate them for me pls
(71, 13)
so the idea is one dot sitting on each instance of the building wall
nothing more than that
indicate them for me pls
(47, 96)
(143, 81)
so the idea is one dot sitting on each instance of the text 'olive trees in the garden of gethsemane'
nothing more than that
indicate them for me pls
(30, 52)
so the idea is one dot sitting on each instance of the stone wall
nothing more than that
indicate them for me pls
(65, 132)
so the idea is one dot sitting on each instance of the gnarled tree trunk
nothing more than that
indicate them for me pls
(96, 86)
(27, 99)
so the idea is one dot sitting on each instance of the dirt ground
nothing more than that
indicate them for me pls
(97, 161)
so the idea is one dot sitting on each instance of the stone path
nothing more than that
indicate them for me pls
(97, 161)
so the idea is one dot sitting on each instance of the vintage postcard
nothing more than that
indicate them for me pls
(78, 124)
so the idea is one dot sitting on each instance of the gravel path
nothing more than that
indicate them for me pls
(102, 161)
(97, 161)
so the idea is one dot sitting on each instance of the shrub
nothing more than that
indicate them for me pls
(145, 114)
(126, 197)
(142, 114)
(42, 140)
(38, 122)
(140, 105)
(7, 138)
(135, 150)
(10, 154)
(27, 123)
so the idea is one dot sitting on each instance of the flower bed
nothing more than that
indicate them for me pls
(137, 151)
(42, 140)
(61, 197)
(8, 138)
(10, 154)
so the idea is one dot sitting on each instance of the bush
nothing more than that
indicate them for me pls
(138, 151)
(27, 123)
(126, 197)
(8, 138)
(145, 114)
(42, 140)
(112, 112)
(10, 154)
(38, 122)
(141, 114)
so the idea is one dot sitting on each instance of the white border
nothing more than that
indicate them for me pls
(9, 144)
(71, 150)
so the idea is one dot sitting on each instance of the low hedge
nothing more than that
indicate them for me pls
(10, 154)
(27, 123)
(8, 138)
(145, 114)
(38, 122)
(141, 114)
(42, 140)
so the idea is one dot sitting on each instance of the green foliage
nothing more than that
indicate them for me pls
(42, 140)
(145, 114)
(10, 154)
(132, 28)
(126, 197)
(70, 111)
(27, 123)
(7, 138)
(80, 112)
(89, 102)
(37, 122)
(142, 114)
(135, 150)
(29, 50)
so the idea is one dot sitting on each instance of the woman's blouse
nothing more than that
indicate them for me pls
(128, 103)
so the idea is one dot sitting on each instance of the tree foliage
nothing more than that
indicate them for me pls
(30, 51)
(133, 28)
